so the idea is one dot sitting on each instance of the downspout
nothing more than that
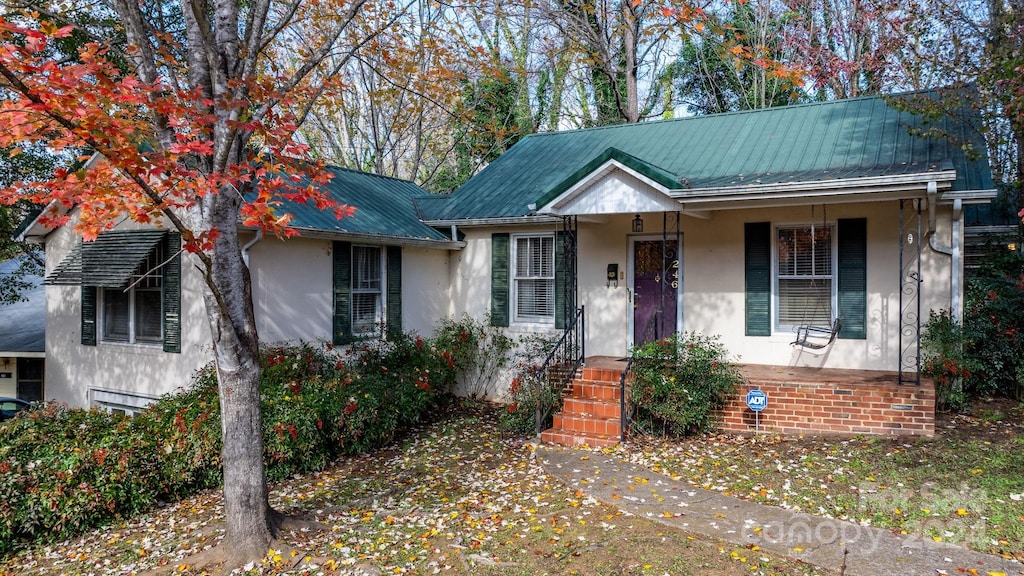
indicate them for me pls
(953, 250)
(250, 244)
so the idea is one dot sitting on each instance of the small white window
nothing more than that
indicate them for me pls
(533, 280)
(135, 316)
(366, 289)
(804, 281)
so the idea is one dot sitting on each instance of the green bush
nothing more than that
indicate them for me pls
(679, 382)
(983, 356)
(64, 470)
(946, 358)
(481, 351)
(528, 391)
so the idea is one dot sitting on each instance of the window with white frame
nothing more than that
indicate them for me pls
(533, 279)
(134, 315)
(804, 280)
(366, 289)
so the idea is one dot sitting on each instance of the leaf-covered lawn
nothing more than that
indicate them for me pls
(455, 497)
(964, 486)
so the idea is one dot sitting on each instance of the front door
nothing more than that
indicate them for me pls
(655, 289)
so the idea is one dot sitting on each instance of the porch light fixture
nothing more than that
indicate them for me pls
(638, 224)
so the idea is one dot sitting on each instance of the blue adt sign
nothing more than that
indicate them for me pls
(757, 400)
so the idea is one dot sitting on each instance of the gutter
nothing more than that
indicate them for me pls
(250, 244)
(469, 222)
(953, 250)
(316, 234)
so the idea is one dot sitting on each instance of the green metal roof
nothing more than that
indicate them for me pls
(109, 261)
(841, 139)
(384, 207)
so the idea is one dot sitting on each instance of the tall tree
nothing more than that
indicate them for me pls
(733, 62)
(195, 120)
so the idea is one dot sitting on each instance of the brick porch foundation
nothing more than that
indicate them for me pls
(806, 400)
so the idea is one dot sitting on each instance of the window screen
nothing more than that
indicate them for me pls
(805, 282)
(535, 277)
(366, 289)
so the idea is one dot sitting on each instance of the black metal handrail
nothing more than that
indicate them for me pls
(651, 329)
(562, 362)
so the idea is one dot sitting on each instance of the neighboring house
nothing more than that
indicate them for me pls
(22, 333)
(120, 337)
(749, 225)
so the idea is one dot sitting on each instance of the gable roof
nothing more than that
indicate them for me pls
(820, 142)
(384, 211)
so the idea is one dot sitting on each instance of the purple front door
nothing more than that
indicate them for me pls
(655, 285)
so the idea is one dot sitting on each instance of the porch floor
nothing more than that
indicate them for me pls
(770, 373)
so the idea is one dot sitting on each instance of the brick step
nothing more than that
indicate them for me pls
(600, 408)
(588, 424)
(601, 375)
(595, 389)
(563, 438)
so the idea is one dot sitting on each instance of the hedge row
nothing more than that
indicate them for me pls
(64, 470)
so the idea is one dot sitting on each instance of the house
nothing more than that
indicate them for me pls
(749, 225)
(119, 337)
(764, 227)
(22, 328)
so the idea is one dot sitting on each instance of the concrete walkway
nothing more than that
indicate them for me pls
(847, 548)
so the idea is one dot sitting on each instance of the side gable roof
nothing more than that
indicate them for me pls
(384, 211)
(819, 142)
(384, 208)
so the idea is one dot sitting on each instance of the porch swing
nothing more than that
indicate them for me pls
(808, 335)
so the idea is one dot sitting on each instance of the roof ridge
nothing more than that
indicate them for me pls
(373, 174)
(740, 112)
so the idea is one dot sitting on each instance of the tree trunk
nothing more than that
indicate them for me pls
(250, 520)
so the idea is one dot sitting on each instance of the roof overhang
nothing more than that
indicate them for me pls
(867, 189)
(502, 221)
(652, 195)
(317, 234)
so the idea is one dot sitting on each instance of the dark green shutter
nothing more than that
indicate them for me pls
(757, 260)
(342, 322)
(853, 277)
(500, 256)
(394, 319)
(565, 298)
(88, 315)
(172, 293)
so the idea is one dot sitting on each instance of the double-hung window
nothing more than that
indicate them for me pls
(135, 315)
(366, 289)
(805, 286)
(533, 279)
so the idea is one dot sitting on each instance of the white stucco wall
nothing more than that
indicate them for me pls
(713, 282)
(292, 301)
(74, 370)
(425, 289)
(292, 289)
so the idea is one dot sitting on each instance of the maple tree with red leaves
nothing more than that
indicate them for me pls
(191, 129)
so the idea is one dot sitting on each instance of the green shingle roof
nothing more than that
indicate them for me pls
(853, 138)
(384, 207)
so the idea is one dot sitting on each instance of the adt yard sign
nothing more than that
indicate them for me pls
(757, 400)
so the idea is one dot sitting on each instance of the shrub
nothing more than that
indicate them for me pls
(983, 356)
(481, 352)
(945, 357)
(679, 382)
(529, 392)
(64, 470)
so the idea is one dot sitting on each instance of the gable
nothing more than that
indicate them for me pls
(613, 189)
